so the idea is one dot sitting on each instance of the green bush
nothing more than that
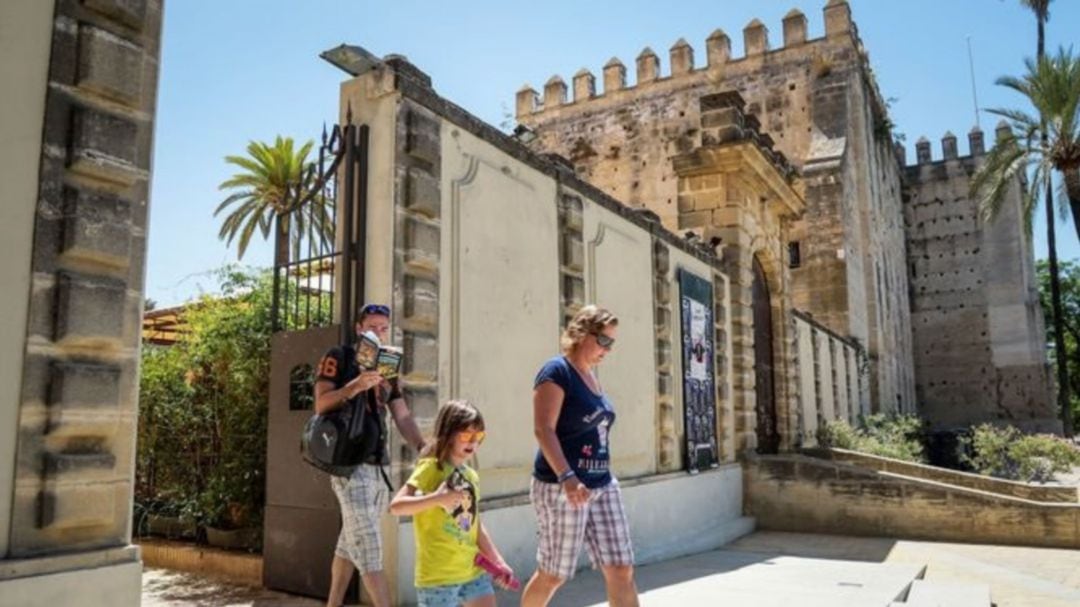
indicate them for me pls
(898, 437)
(1005, 452)
(203, 404)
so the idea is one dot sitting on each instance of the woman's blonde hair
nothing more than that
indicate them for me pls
(454, 416)
(590, 319)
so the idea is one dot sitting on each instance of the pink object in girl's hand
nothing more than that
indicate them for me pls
(497, 572)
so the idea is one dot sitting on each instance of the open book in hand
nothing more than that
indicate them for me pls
(373, 356)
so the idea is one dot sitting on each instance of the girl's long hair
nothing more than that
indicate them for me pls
(454, 416)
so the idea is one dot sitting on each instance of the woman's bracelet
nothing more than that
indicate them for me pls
(565, 475)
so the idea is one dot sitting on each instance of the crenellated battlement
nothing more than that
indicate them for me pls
(838, 24)
(976, 145)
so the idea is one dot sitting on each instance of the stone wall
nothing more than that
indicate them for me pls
(817, 102)
(978, 325)
(832, 382)
(1036, 492)
(494, 246)
(810, 495)
(70, 520)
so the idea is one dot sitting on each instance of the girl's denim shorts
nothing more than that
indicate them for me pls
(454, 595)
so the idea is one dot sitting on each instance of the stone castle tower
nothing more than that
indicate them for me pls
(980, 353)
(843, 260)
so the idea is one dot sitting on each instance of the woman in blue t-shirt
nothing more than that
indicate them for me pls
(577, 499)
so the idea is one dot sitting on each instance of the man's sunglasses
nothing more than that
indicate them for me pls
(604, 341)
(468, 436)
(378, 309)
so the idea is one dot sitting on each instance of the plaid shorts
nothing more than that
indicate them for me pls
(363, 498)
(600, 525)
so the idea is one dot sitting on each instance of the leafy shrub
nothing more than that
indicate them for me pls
(203, 405)
(1005, 452)
(898, 437)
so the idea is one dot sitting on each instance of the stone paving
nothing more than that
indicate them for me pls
(1017, 576)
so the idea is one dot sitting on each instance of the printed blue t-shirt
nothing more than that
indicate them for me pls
(582, 427)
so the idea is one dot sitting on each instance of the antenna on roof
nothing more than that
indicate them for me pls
(974, 96)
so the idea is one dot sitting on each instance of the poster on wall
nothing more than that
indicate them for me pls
(699, 381)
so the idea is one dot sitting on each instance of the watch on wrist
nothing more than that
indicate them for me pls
(566, 475)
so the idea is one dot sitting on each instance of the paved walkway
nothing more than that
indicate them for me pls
(760, 569)
(1017, 576)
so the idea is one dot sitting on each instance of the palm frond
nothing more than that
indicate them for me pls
(273, 179)
(998, 173)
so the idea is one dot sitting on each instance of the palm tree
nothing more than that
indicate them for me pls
(276, 182)
(1041, 144)
(1041, 8)
(1052, 85)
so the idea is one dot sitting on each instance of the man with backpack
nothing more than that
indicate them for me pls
(362, 489)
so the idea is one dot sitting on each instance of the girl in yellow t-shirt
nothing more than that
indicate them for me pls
(442, 495)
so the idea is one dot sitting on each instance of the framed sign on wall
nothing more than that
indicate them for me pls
(699, 382)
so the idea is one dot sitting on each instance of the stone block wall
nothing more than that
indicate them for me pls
(810, 495)
(831, 385)
(480, 307)
(77, 419)
(417, 239)
(816, 100)
(78, 126)
(978, 327)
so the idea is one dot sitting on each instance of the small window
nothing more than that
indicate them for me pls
(301, 388)
(794, 254)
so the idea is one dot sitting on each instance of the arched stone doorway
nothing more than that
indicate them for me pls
(768, 436)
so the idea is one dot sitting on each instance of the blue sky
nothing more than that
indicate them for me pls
(249, 69)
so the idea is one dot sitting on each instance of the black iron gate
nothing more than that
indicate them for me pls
(318, 280)
(318, 260)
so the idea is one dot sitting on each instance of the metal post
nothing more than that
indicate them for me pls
(346, 309)
(275, 321)
(359, 252)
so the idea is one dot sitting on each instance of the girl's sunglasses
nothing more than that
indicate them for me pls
(468, 436)
(604, 341)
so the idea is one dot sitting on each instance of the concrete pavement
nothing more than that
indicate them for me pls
(764, 568)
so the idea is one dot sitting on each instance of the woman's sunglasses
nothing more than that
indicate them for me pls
(468, 436)
(604, 341)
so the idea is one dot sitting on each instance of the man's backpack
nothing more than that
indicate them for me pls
(337, 441)
(325, 444)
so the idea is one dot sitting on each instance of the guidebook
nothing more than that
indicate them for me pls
(373, 356)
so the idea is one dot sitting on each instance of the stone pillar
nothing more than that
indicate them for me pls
(526, 101)
(648, 66)
(682, 58)
(718, 48)
(922, 151)
(417, 236)
(1002, 131)
(755, 38)
(976, 143)
(614, 76)
(948, 146)
(668, 443)
(794, 28)
(68, 532)
(584, 85)
(554, 93)
(837, 18)
(718, 195)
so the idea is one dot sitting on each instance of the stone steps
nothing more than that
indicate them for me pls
(938, 594)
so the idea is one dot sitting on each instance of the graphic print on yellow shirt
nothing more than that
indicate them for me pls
(446, 540)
